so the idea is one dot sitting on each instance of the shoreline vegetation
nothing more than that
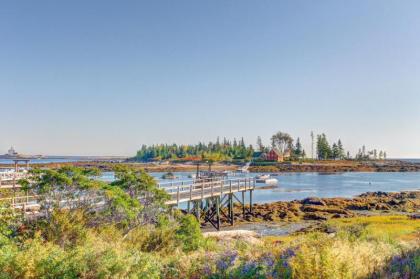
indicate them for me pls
(131, 233)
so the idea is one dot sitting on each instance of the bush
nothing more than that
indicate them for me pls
(189, 233)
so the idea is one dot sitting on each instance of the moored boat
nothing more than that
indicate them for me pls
(262, 178)
(267, 179)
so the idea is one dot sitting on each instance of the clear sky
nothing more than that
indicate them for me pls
(104, 77)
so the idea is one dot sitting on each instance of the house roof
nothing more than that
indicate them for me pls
(278, 152)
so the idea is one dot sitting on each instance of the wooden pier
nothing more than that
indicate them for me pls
(210, 198)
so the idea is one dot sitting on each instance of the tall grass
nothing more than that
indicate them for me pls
(368, 247)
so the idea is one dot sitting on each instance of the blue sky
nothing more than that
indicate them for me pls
(104, 77)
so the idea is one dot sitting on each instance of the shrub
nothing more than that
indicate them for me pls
(189, 233)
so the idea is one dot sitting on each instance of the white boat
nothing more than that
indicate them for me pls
(271, 181)
(262, 178)
(267, 179)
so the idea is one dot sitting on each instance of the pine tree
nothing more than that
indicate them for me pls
(323, 148)
(298, 148)
(260, 145)
(341, 152)
(335, 151)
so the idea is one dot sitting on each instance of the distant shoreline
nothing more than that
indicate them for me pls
(316, 166)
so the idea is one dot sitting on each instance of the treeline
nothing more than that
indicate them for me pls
(228, 150)
(326, 151)
(217, 151)
(374, 154)
(285, 144)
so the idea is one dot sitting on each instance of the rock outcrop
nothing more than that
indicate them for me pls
(325, 208)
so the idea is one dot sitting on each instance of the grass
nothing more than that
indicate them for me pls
(361, 247)
(392, 228)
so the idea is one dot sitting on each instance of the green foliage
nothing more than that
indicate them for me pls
(323, 147)
(10, 220)
(139, 183)
(189, 233)
(282, 142)
(120, 208)
(217, 151)
(93, 258)
(65, 228)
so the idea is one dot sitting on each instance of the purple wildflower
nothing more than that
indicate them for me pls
(207, 270)
(288, 253)
(268, 260)
(248, 268)
(227, 260)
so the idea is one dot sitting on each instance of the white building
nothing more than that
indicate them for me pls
(12, 152)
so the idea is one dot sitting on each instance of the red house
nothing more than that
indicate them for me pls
(276, 156)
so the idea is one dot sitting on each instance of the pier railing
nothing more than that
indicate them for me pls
(182, 191)
(179, 191)
(10, 180)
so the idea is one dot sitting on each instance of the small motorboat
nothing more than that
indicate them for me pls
(262, 178)
(267, 179)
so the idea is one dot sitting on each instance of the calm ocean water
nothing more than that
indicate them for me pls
(50, 160)
(414, 161)
(302, 185)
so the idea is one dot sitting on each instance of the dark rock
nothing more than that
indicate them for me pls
(314, 216)
(311, 208)
(314, 201)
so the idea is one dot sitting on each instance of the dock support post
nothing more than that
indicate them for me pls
(218, 213)
(231, 209)
(197, 210)
(250, 201)
(243, 203)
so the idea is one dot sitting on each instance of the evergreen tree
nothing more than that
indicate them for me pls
(341, 152)
(298, 148)
(335, 151)
(323, 148)
(260, 145)
(216, 151)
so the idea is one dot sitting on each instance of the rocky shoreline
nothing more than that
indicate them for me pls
(340, 166)
(322, 209)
